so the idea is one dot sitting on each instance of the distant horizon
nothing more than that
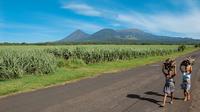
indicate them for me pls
(93, 33)
(51, 20)
(128, 29)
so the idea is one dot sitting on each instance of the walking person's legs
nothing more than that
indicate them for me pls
(185, 95)
(172, 97)
(188, 92)
(188, 96)
(164, 100)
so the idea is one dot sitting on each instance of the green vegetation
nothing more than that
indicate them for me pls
(107, 54)
(181, 48)
(197, 45)
(15, 63)
(66, 69)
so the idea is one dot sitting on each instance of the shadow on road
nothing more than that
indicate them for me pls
(158, 94)
(135, 96)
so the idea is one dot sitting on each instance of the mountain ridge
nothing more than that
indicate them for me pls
(125, 35)
(76, 35)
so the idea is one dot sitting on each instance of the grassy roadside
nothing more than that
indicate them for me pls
(64, 75)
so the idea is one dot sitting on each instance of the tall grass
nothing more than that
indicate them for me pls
(16, 63)
(104, 55)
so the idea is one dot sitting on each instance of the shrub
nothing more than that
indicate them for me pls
(181, 48)
(197, 45)
(75, 62)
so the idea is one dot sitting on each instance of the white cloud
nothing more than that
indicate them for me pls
(77, 24)
(168, 23)
(187, 23)
(70, 23)
(137, 20)
(83, 9)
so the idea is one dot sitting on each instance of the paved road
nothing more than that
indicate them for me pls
(134, 90)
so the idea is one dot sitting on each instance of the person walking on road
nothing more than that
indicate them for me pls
(186, 69)
(169, 70)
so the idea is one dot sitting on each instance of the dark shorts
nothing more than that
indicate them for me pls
(186, 86)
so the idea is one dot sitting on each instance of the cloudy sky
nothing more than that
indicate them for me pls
(50, 20)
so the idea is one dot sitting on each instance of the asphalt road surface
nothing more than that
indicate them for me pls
(134, 90)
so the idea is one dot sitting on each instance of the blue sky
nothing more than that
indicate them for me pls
(50, 20)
